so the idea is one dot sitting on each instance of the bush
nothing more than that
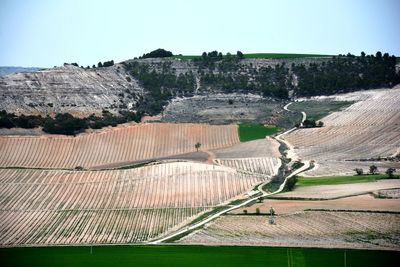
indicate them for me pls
(359, 171)
(158, 53)
(390, 172)
(291, 183)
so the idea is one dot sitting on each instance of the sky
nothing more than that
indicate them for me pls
(47, 33)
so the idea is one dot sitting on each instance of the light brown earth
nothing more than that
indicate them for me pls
(304, 229)
(368, 129)
(365, 202)
(53, 207)
(341, 190)
(119, 145)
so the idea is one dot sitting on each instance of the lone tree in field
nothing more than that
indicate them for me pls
(373, 169)
(390, 172)
(359, 171)
(197, 146)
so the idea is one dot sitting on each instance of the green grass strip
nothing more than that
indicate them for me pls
(332, 180)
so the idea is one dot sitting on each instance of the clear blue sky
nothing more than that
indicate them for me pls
(45, 33)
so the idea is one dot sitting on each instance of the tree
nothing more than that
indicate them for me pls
(390, 172)
(309, 123)
(373, 169)
(245, 211)
(260, 199)
(108, 63)
(291, 182)
(158, 53)
(94, 66)
(197, 146)
(320, 124)
(99, 65)
(359, 171)
(239, 55)
(257, 210)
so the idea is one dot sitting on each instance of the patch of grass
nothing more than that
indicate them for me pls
(316, 110)
(194, 256)
(253, 131)
(186, 57)
(283, 55)
(332, 180)
(261, 55)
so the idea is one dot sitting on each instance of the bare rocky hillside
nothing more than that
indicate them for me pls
(82, 92)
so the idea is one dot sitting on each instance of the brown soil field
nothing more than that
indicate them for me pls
(266, 147)
(365, 202)
(340, 190)
(304, 229)
(47, 207)
(119, 145)
(368, 129)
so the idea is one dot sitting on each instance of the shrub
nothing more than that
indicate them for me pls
(291, 183)
(359, 171)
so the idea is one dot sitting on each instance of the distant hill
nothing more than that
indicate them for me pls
(145, 86)
(10, 70)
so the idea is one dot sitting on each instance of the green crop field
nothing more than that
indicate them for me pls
(262, 55)
(283, 55)
(253, 131)
(332, 180)
(193, 256)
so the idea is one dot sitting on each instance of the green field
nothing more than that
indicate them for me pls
(193, 256)
(253, 131)
(263, 55)
(331, 180)
(283, 55)
(316, 110)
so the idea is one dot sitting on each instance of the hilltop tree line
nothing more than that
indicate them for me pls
(346, 74)
(99, 65)
(65, 123)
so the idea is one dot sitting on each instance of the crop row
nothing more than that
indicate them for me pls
(266, 166)
(89, 226)
(120, 145)
(119, 206)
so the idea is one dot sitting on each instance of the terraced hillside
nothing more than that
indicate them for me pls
(118, 146)
(47, 207)
(355, 137)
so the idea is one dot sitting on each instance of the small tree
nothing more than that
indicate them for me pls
(373, 169)
(359, 171)
(257, 211)
(320, 124)
(390, 172)
(99, 65)
(260, 199)
(239, 54)
(197, 146)
(291, 183)
(245, 211)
